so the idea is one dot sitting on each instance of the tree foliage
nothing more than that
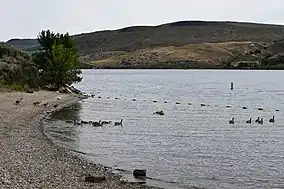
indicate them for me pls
(58, 60)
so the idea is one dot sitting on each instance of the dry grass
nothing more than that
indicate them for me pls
(209, 53)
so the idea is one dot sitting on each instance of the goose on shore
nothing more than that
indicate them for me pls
(249, 121)
(272, 120)
(257, 120)
(232, 121)
(118, 123)
(18, 101)
(45, 104)
(36, 103)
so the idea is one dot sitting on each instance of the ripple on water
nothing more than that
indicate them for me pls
(190, 146)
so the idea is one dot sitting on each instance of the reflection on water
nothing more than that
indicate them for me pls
(191, 145)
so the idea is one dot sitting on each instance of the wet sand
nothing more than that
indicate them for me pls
(29, 160)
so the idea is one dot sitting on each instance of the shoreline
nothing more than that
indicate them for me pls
(29, 159)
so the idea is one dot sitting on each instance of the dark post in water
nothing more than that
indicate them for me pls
(232, 85)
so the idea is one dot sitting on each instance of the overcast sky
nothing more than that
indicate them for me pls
(25, 18)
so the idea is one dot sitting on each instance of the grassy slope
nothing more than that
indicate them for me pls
(169, 44)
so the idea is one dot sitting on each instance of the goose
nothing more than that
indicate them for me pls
(116, 98)
(134, 99)
(155, 101)
(272, 120)
(248, 121)
(261, 121)
(45, 104)
(55, 106)
(18, 101)
(106, 122)
(245, 108)
(36, 103)
(99, 97)
(232, 121)
(177, 102)
(189, 104)
(257, 120)
(77, 123)
(84, 122)
(97, 124)
(277, 110)
(260, 108)
(165, 102)
(228, 106)
(202, 104)
(160, 113)
(118, 123)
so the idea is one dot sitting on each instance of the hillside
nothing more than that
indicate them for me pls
(181, 44)
(16, 68)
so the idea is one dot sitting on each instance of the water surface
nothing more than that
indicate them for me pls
(191, 145)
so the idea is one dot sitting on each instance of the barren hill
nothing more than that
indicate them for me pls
(183, 43)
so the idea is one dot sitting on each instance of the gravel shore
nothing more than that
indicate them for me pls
(29, 160)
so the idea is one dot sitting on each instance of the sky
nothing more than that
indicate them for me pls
(26, 18)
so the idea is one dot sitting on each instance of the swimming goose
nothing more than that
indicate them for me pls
(118, 123)
(97, 124)
(232, 121)
(159, 113)
(245, 108)
(257, 120)
(248, 121)
(272, 120)
(261, 121)
(84, 122)
(155, 101)
(106, 122)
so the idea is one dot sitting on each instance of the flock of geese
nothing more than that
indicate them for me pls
(95, 123)
(232, 121)
(102, 123)
(258, 120)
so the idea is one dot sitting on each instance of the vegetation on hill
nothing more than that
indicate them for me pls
(186, 44)
(54, 65)
(16, 68)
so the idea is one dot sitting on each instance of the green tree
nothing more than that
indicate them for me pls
(58, 60)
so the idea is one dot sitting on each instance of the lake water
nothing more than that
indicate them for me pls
(191, 146)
